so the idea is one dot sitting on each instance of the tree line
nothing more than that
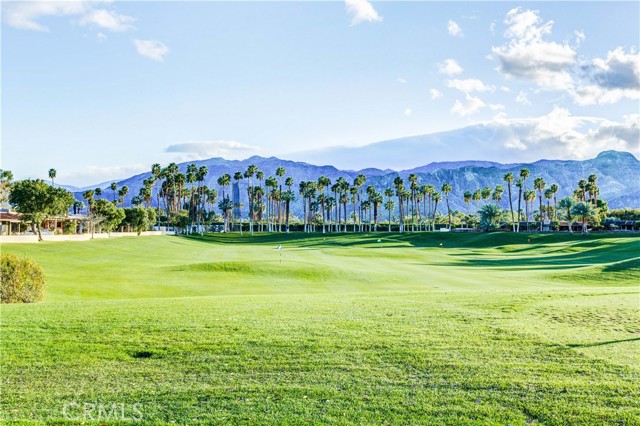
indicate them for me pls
(183, 200)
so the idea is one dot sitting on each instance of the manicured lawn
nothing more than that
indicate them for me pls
(412, 329)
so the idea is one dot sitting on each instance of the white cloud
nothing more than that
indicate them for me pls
(610, 80)
(408, 112)
(151, 49)
(626, 133)
(401, 80)
(361, 11)
(101, 37)
(454, 29)
(528, 56)
(26, 14)
(522, 99)
(559, 134)
(469, 85)
(435, 94)
(107, 19)
(450, 67)
(579, 37)
(556, 135)
(200, 150)
(471, 105)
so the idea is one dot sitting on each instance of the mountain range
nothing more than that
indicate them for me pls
(618, 176)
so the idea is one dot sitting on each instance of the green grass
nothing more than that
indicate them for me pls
(414, 329)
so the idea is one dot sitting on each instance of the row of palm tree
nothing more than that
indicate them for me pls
(340, 205)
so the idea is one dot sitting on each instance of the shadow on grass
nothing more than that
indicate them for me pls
(624, 266)
(532, 251)
(609, 342)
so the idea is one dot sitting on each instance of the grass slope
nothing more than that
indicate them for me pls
(414, 329)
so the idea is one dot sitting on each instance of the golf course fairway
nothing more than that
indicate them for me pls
(410, 329)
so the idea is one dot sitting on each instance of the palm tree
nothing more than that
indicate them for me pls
(88, 195)
(376, 201)
(52, 175)
(226, 206)
(248, 174)
(145, 195)
(477, 196)
(497, 194)
(446, 188)
(398, 183)
(554, 188)
(566, 204)
(519, 185)
(485, 194)
(593, 180)
(413, 186)
(548, 194)
(271, 183)
(467, 197)
(323, 183)
(508, 178)
(237, 176)
(539, 184)
(524, 174)
(114, 187)
(586, 211)
(287, 196)
(224, 182)
(353, 191)
(436, 198)
(201, 175)
(122, 193)
(304, 188)
(358, 181)
(192, 171)
(212, 196)
(280, 172)
(260, 196)
(425, 193)
(582, 186)
(490, 215)
(389, 204)
(529, 197)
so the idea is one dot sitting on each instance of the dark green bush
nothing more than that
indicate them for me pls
(21, 280)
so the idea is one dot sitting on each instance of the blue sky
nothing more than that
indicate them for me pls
(100, 90)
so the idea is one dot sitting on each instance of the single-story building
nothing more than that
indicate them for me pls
(9, 222)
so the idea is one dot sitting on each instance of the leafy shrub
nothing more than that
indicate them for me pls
(22, 280)
(69, 227)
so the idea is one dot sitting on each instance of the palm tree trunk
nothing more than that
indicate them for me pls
(519, 199)
(287, 215)
(435, 208)
(513, 224)
(345, 217)
(449, 212)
